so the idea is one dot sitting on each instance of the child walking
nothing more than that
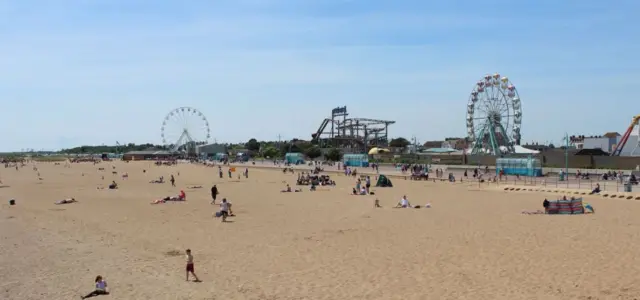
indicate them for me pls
(190, 267)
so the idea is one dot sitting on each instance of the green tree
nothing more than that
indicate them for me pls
(313, 152)
(399, 142)
(253, 145)
(270, 152)
(334, 154)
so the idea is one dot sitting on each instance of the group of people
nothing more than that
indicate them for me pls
(362, 189)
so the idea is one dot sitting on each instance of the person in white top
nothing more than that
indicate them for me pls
(404, 203)
(225, 209)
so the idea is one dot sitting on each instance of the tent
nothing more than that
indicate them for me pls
(383, 181)
(376, 150)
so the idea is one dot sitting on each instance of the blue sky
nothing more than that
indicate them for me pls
(91, 72)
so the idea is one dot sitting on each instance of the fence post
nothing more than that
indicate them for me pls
(579, 185)
(590, 184)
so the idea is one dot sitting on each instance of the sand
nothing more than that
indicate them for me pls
(473, 243)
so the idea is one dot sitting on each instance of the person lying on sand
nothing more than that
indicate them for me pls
(537, 212)
(101, 288)
(194, 187)
(159, 180)
(66, 201)
(180, 197)
(165, 199)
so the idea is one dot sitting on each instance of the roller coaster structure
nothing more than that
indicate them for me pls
(352, 134)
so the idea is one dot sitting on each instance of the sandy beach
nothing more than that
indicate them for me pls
(473, 243)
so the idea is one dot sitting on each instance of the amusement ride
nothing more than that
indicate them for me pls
(184, 128)
(494, 116)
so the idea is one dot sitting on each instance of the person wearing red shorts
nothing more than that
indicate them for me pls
(190, 268)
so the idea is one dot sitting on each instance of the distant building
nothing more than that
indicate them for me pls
(211, 149)
(576, 141)
(146, 155)
(433, 144)
(607, 142)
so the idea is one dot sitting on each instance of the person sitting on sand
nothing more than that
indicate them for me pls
(66, 201)
(113, 185)
(545, 204)
(404, 203)
(287, 189)
(596, 190)
(376, 203)
(363, 190)
(101, 288)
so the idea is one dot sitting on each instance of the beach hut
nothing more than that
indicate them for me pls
(355, 160)
(294, 158)
(519, 166)
(242, 156)
(221, 156)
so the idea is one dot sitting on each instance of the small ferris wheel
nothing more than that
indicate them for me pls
(494, 116)
(184, 128)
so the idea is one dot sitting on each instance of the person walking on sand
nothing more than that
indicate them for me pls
(214, 194)
(225, 208)
(173, 181)
(101, 288)
(190, 268)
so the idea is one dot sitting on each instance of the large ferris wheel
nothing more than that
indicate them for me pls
(494, 116)
(183, 128)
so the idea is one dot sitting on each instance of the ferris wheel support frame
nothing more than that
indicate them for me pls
(184, 136)
(478, 145)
